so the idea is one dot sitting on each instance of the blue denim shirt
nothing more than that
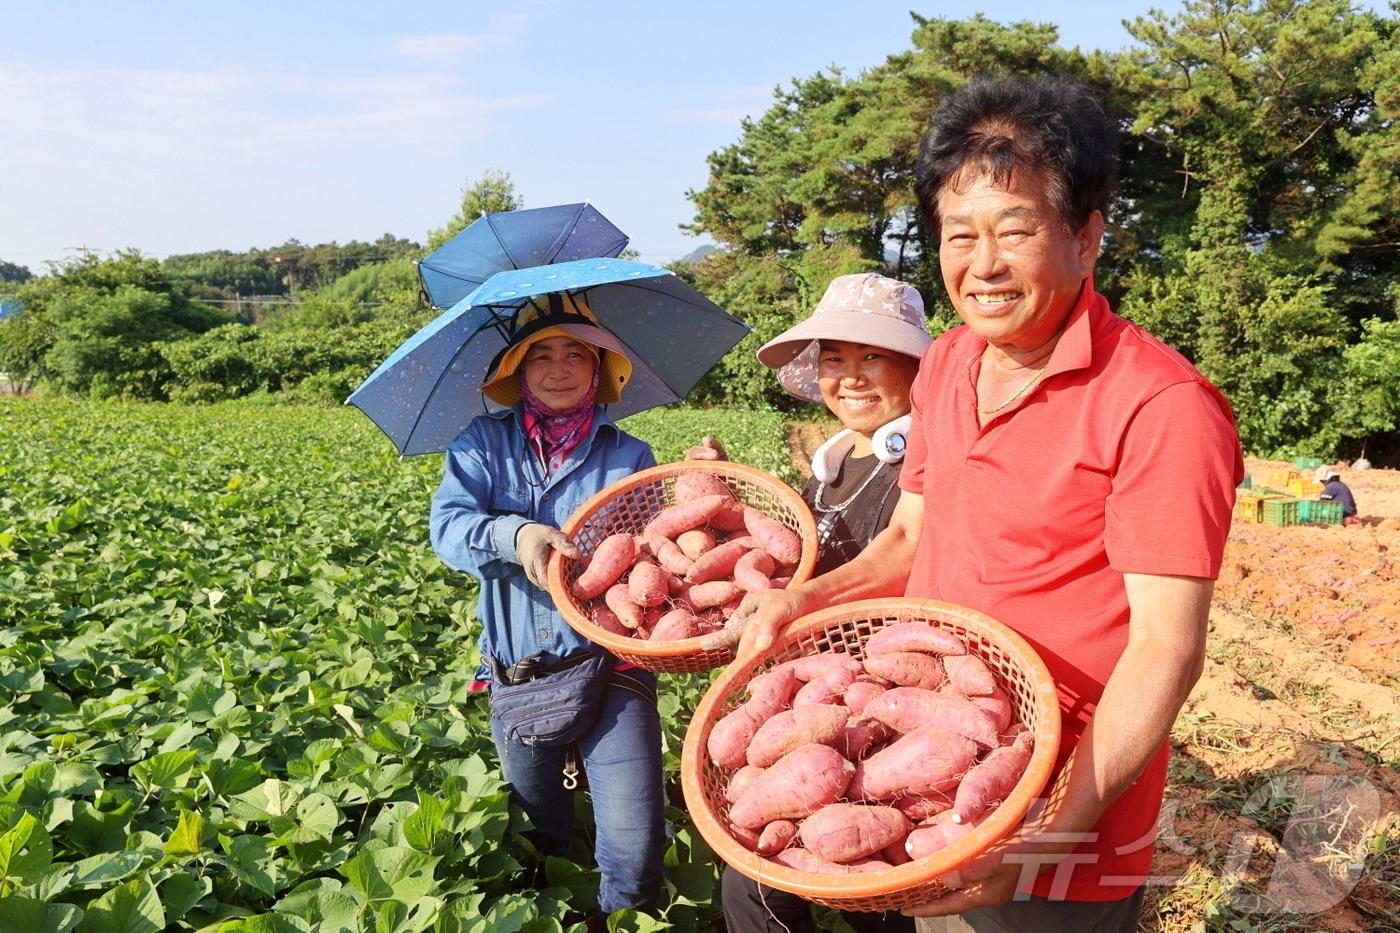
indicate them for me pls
(492, 484)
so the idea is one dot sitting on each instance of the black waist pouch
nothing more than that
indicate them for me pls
(555, 707)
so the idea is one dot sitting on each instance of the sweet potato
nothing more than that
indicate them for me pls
(609, 562)
(740, 780)
(744, 538)
(908, 669)
(772, 690)
(695, 542)
(776, 837)
(1008, 735)
(729, 518)
(729, 739)
(894, 853)
(923, 806)
(697, 484)
(607, 620)
(673, 520)
(802, 860)
(717, 564)
(938, 833)
(914, 636)
(667, 554)
(645, 584)
(924, 761)
(676, 625)
(775, 537)
(796, 786)
(812, 666)
(650, 616)
(999, 705)
(794, 728)
(991, 779)
(905, 709)
(844, 832)
(745, 837)
(620, 602)
(714, 593)
(753, 569)
(828, 688)
(970, 675)
(859, 693)
(859, 738)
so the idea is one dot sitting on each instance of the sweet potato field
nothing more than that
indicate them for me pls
(233, 684)
(233, 696)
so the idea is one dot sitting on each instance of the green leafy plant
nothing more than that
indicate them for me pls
(234, 684)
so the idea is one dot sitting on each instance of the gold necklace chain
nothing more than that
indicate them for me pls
(1014, 396)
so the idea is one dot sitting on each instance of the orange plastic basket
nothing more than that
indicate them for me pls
(625, 507)
(845, 628)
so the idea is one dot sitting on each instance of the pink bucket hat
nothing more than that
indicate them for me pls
(867, 308)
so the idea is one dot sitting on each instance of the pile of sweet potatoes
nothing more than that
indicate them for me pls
(843, 765)
(689, 568)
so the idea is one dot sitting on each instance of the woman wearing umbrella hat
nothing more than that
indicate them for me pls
(510, 480)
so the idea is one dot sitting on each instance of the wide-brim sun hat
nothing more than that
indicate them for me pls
(537, 321)
(866, 308)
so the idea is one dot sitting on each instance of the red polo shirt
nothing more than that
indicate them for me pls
(1122, 459)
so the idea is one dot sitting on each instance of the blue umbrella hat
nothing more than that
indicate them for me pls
(516, 240)
(438, 380)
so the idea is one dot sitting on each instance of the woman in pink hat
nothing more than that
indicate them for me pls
(858, 354)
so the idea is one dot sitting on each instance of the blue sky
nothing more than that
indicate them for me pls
(182, 127)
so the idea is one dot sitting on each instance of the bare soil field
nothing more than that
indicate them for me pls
(1283, 803)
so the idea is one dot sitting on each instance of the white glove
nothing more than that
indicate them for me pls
(532, 544)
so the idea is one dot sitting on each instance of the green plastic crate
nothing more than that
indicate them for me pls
(1264, 492)
(1319, 512)
(1247, 484)
(1281, 511)
(1307, 463)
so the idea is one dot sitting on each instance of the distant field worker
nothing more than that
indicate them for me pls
(1334, 490)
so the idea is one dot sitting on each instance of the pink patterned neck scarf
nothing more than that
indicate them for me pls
(555, 434)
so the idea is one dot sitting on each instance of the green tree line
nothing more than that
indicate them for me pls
(1254, 228)
(129, 326)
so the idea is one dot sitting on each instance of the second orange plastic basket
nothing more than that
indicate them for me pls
(625, 507)
(845, 629)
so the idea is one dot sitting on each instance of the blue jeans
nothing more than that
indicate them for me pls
(622, 758)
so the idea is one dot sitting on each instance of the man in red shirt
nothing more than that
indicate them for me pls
(1068, 474)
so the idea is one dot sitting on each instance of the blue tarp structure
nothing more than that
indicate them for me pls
(8, 307)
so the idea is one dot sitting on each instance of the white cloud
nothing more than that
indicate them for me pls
(108, 117)
(151, 157)
(445, 48)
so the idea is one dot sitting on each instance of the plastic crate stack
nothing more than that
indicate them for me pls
(1249, 505)
(1307, 463)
